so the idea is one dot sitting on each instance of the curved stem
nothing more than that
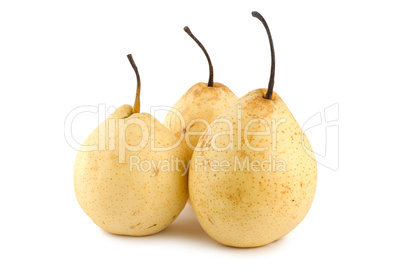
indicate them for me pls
(271, 43)
(137, 103)
(211, 69)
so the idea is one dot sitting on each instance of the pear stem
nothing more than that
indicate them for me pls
(271, 43)
(211, 69)
(137, 103)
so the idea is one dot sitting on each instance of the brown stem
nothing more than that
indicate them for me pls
(271, 43)
(137, 103)
(211, 69)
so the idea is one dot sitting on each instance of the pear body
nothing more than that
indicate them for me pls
(262, 185)
(119, 187)
(199, 106)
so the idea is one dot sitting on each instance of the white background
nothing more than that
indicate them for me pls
(57, 56)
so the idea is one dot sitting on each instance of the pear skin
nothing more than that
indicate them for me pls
(199, 106)
(252, 205)
(115, 191)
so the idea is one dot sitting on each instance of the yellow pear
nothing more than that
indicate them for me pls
(252, 179)
(198, 107)
(134, 181)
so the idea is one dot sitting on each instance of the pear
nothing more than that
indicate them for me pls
(134, 181)
(198, 107)
(251, 179)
